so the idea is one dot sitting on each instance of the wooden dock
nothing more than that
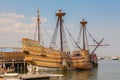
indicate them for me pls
(13, 60)
(32, 77)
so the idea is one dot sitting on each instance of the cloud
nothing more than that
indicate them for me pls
(19, 27)
(12, 15)
(10, 22)
(44, 19)
(8, 19)
(14, 26)
(24, 28)
(4, 21)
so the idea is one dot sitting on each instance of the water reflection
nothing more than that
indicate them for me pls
(81, 75)
(107, 70)
(93, 74)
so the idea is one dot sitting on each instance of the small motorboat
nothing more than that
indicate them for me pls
(115, 58)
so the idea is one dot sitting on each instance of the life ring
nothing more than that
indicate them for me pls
(34, 68)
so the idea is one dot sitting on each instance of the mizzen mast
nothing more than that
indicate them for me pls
(83, 24)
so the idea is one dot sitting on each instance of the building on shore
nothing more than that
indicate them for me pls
(12, 60)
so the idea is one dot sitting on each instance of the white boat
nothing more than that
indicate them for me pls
(11, 74)
(115, 58)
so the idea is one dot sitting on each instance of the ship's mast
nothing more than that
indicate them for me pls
(38, 24)
(60, 15)
(83, 24)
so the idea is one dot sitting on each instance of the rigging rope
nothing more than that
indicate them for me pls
(79, 36)
(72, 37)
(46, 32)
(92, 37)
(35, 34)
(65, 45)
(35, 31)
(53, 40)
(86, 38)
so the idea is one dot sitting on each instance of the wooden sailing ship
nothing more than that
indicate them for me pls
(38, 55)
(41, 56)
(83, 58)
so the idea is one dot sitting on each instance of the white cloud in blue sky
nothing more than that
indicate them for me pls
(17, 20)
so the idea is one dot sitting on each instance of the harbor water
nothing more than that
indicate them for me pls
(107, 70)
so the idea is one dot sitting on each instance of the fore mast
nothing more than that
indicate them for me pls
(38, 25)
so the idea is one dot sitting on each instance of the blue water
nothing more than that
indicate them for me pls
(107, 70)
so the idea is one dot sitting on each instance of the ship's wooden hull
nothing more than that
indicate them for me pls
(56, 63)
(81, 64)
(50, 58)
(48, 62)
(43, 61)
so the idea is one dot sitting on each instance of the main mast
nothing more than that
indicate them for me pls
(60, 15)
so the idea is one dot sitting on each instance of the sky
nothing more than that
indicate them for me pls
(18, 20)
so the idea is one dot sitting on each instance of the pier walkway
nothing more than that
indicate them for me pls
(44, 76)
